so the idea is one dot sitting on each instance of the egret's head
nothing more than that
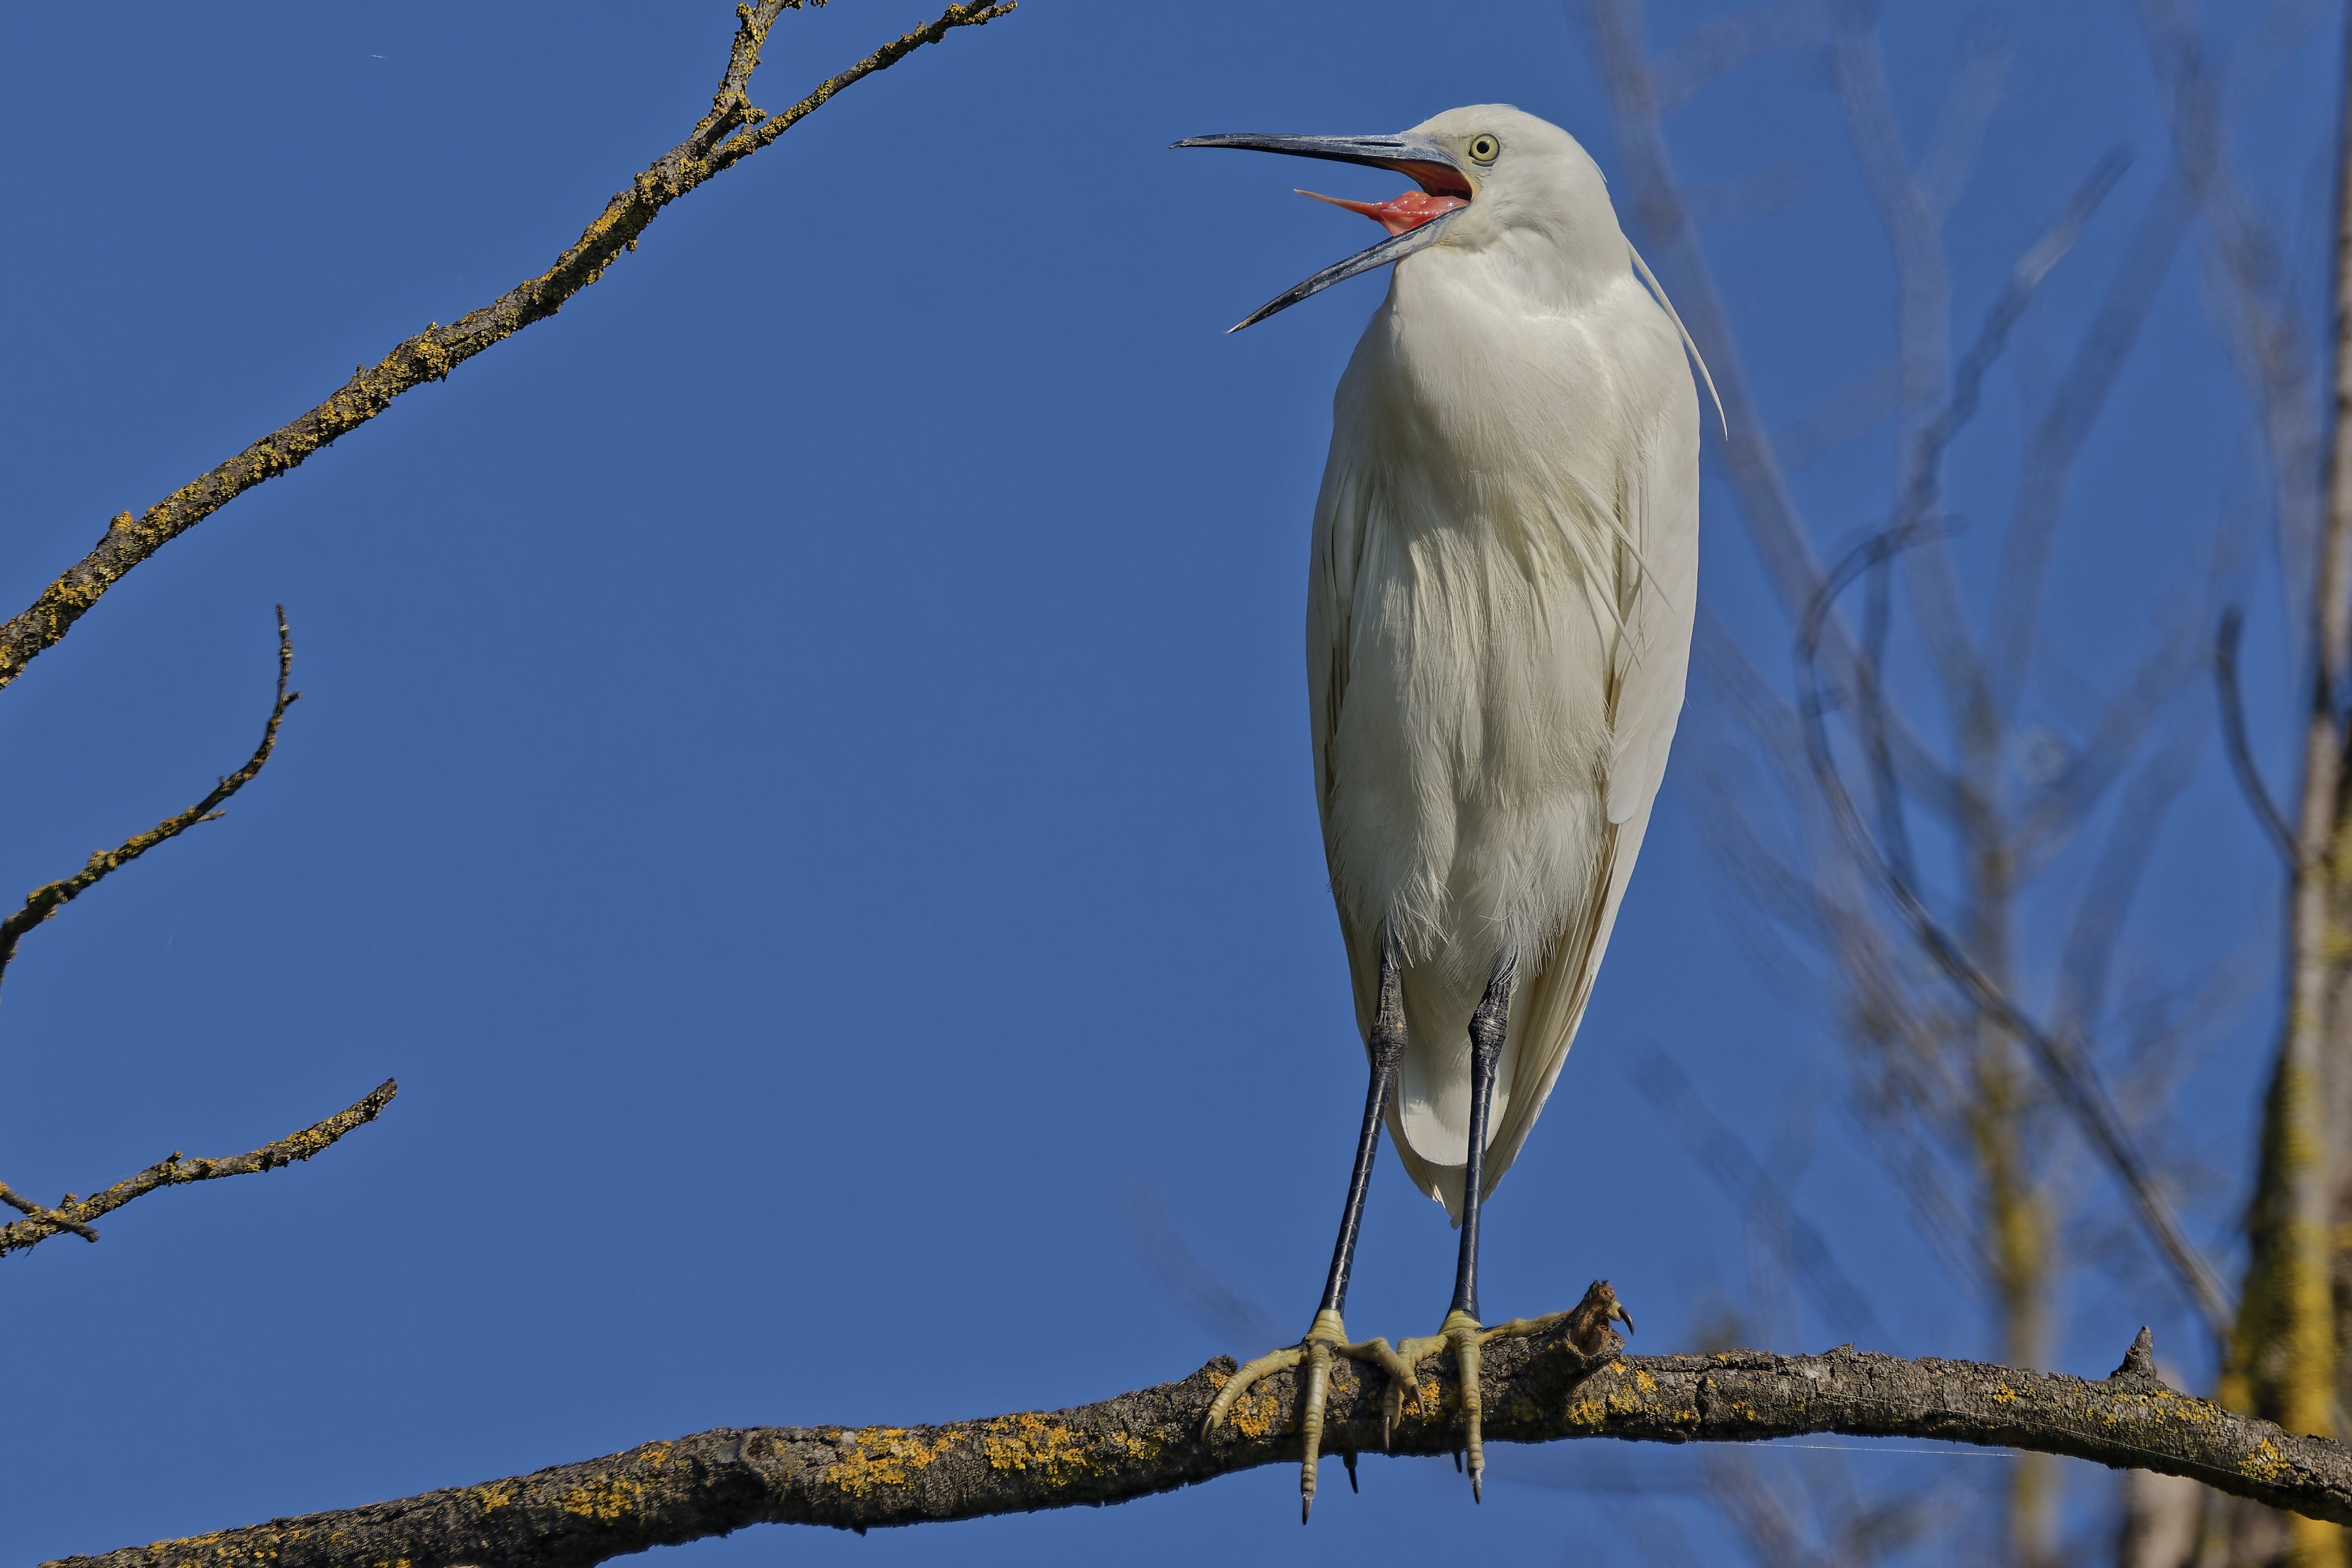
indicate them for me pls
(1488, 174)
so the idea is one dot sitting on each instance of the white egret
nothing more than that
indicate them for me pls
(1498, 621)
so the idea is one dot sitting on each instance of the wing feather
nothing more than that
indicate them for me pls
(1657, 584)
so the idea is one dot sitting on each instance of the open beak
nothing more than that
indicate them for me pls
(1415, 220)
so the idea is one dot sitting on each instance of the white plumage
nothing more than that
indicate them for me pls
(1499, 622)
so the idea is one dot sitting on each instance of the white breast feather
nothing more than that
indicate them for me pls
(1500, 612)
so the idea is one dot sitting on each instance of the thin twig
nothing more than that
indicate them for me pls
(731, 132)
(2077, 1086)
(1751, 461)
(2066, 424)
(2233, 736)
(43, 902)
(1978, 86)
(2025, 276)
(2075, 1082)
(2261, 314)
(75, 1214)
(1540, 1389)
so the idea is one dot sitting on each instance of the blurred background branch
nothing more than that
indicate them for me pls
(1996, 796)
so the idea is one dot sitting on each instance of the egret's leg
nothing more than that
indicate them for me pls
(1488, 1024)
(1461, 1332)
(1327, 1337)
(1386, 1049)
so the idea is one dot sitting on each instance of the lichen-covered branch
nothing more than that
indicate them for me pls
(74, 1215)
(1538, 1390)
(732, 131)
(44, 901)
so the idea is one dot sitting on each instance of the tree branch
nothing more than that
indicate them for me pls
(732, 131)
(2060, 1060)
(75, 1214)
(23, 1204)
(44, 902)
(2241, 751)
(1536, 1390)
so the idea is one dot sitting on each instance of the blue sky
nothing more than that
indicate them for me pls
(802, 772)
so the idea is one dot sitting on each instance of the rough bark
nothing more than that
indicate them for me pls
(1536, 1390)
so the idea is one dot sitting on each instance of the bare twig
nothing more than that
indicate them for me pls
(731, 132)
(1921, 490)
(2051, 811)
(2203, 95)
(74, 1214)
(44, 901)
(1750, 459)
(1987, 51)
(2074, 1080)
(1656, 204)
(2077, 1086)
(2026, 276)
(2260, 315)
(1538, 1390)
(2233, 735)
(2065, 426)
(1923, 358)
(1923, 280)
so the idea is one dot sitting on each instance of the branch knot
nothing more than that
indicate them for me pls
(2139, 1368)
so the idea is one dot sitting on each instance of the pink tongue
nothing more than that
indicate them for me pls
(1397, 214)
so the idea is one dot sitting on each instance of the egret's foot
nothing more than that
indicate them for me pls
(1463, 1334)
(1325, 1340)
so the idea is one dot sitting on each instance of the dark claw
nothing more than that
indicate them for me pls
(1457, 1461)
(1347, 1458)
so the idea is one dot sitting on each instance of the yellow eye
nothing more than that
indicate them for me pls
(1483, 149)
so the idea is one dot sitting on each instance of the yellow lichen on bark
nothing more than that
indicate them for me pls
(2283, 1356)
(607, 1499)
(1032, 1442)
(883, 1457)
